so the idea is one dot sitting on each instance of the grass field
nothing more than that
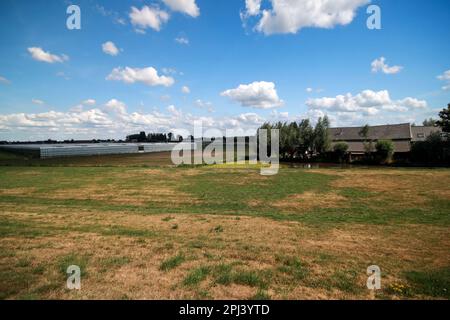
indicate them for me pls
(141, 229)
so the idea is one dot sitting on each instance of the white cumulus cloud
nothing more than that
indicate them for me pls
(89, 102)
(290, 16)
(185, 90)
(262, 95)
(38, 102)
(39, 54)
(148, 76)
(4, 80)
(116, 106)
(446, 78)
(148, 17)
(366, 102)
(253, 7)
(110, 48)
(188, 7)
(380, 65)
(182, 40)
(204, 105)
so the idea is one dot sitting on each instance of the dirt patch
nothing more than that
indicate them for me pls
(232, 292)
(121, 195)
(310, 200)
(17, 191)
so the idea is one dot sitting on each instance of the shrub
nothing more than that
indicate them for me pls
(385, 150)
(434, 150)
(340, 150)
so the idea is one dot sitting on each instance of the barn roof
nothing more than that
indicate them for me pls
(385, 132)
(420, 133)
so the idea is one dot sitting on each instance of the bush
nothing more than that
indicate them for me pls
(385, 151)
(434, 150)
(340, 150)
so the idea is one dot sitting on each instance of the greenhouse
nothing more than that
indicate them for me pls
(69, 150)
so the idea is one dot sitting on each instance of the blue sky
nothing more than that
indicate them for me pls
(242, 63)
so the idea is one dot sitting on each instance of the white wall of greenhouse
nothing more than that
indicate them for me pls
(70, 150)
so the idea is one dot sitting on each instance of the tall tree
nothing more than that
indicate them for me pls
(368, 143)
(305, 138)
(322, 141)
(444, 122)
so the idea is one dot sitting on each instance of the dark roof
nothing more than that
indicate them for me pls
(385, 132)
(422, 133)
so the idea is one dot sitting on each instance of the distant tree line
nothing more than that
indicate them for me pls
(154, 137)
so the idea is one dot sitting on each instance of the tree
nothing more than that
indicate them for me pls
(444, 122)
(368, 143)
(434, 150)
(321, 136)
(305, 138)
(429, 122)
(385, 150)
(364, 132)
(340, 149)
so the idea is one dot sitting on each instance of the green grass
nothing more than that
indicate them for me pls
(218, 191)
(115, 262)
(222, 274)
(346, 281)
(293, 267)
(226, 274)
(196, 276)
(13, 282)
(23, 263)
(9, 156)
(434, 283)
(172, 262)
(249, 278)
(73, 259)
(236, 194)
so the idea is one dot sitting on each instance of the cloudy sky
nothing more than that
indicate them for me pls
(161, 65)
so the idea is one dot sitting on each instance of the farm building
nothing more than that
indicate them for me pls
(402, 136)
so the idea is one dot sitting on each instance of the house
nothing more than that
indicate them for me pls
(402, 135)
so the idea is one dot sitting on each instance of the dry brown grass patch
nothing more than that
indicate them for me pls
(17, 191)
(310, 200)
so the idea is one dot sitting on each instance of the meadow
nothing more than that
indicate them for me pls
(140, 228)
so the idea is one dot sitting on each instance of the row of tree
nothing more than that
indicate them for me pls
(154, 137)
(300, 140)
